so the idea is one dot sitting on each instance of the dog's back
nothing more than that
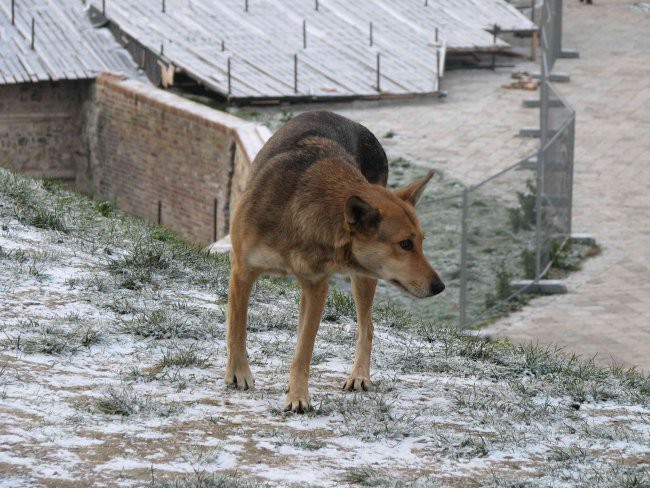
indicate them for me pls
(353, 138)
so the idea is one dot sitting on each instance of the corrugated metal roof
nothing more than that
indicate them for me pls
(66, 46)
(334, 58)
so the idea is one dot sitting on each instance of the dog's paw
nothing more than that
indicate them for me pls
(297, 402)
(239, 376)
(357, 382)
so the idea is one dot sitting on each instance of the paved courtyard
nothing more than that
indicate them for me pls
(472, 133)
(607, 311)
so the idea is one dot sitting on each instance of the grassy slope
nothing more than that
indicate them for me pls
(112, 353)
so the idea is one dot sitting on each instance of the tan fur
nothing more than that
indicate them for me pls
(326, 219)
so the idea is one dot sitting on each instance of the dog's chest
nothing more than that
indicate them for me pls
(312, 265)
(268, 259)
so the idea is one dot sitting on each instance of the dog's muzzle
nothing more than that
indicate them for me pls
(436, 286)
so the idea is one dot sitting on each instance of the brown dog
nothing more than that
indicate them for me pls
(317, 205)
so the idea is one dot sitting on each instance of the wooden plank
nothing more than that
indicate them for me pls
(337, 60)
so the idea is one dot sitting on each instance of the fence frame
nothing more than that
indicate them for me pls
(551, 49)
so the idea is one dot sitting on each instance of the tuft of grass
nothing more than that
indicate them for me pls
(159, 323)
(123, 401)
(181, 357)
(364, 476)
(281, 437)
(28, 207)
(168, 322)
(126, 402)
(528, 263)
(50, 184)
(55, 340)
(44, 218)
(106, 208)
(339, 305)
(202, 480)
(393, 316)
(88, 335)
(286, 116)
(472, 446)
(524, 217)
(146, 255)
(272, 319)
(370, 416)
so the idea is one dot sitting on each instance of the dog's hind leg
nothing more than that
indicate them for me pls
(312, 305)
(238, 372)
(363, 290)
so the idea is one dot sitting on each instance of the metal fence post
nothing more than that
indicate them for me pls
(541, 155)
(229, 77)
(532, 11)
(215, 209)
(557, 16)
(572, 141)
(379, 72)
(295, 73)
(462, 317)
(546, 66)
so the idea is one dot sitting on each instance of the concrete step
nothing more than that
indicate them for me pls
(555, 77)
(569, 54)
(544, 287)
(535, 103)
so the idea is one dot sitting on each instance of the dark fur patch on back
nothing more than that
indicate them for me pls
(351, 137)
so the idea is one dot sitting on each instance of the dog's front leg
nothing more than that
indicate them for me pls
(238, 371)
(363, 290)
(312, 304)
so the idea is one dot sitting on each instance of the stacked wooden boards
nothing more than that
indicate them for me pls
(275, 49)
(65, 44)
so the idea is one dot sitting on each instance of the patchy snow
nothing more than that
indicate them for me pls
(105, 380)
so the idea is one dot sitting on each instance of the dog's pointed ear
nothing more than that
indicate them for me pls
(412, 193)
(361, 216)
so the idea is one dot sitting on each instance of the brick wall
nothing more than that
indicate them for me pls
(148, 147)
(133, 143)
(39, 127)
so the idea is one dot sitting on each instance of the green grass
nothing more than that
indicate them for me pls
(202, 480)
(458, 397)
(53, 339)
(182, 357)
(339, 304)
(124, 401)
(170, 322)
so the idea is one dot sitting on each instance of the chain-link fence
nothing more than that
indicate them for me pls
(551, 32)
(554, 177)
(516, 222)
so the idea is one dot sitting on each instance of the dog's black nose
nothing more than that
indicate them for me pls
(436, 287)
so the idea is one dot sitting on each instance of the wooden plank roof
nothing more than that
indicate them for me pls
(66, 46)
(313, 48)
(261, 51)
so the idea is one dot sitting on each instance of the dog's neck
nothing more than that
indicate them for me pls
(346, 262)
(324, 191)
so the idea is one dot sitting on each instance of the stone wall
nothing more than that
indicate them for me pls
(40, 126)
(158, 155)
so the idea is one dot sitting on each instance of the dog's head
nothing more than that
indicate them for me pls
(386, 238)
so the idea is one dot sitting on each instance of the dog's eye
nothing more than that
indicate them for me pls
(406, 244)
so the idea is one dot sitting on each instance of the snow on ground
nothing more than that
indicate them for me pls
(112, 355)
